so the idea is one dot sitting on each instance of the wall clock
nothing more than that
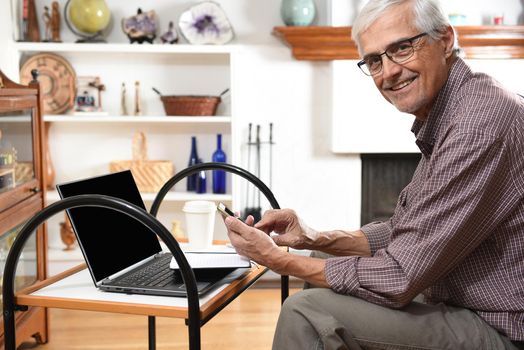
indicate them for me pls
(57, 81)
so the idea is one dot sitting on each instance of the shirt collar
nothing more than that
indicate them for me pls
(428, 131)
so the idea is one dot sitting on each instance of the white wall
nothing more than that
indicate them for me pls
(323, 187)
(477, 12)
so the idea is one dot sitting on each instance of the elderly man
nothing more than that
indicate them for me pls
(457, 234)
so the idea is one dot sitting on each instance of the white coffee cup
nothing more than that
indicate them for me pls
(200, 223)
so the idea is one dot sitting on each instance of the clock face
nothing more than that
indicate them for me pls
(57, 81)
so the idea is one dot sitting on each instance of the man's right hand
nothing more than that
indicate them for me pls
(291, 230)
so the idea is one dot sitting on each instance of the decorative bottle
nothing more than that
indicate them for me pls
(219, 176)
(193, 159)
(201, 180)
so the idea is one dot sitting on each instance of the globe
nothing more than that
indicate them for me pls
(89, 16)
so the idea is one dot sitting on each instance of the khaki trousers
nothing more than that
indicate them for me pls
(318, 318)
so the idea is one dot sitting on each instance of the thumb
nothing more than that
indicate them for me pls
(279, 240)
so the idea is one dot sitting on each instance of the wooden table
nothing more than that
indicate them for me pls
(74, 289)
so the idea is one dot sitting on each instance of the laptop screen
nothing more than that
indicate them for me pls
(111, 241)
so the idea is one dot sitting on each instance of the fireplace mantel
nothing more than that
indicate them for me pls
(334, 43)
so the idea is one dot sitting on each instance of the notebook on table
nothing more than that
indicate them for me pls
(122, 254)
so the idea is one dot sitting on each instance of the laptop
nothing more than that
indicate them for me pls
(123, 255)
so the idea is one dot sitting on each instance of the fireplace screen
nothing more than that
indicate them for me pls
(383, 178)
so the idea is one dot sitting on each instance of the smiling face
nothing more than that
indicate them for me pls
(413, 85)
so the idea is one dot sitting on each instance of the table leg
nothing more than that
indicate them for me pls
(152, 332)
(284, 288)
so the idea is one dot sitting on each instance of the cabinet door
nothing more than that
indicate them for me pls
(11, 222)
(18, 163)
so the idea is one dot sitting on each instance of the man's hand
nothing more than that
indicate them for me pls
(251, 242)
(258, 246)
(292, 231)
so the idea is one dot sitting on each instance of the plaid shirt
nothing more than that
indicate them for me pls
(457, 234)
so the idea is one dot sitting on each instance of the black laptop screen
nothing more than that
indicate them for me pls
(111, 241)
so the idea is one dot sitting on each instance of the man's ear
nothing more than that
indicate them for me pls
(449, 41)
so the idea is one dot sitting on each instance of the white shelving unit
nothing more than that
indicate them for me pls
(136, 119)
(125, 48)
(83, 145)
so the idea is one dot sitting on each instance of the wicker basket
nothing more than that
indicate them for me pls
(190, 105)
(149, 175)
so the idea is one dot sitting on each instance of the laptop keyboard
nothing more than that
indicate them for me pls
(157, 274)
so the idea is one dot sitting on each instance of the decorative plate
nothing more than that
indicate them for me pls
(205, 23)
(57, 81)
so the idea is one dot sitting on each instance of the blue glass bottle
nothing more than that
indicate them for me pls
(193, 159)
(201, 181)
(219, 176)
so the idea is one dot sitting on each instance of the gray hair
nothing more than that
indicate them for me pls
(429, 17)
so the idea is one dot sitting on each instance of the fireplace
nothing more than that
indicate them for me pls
(383, 177)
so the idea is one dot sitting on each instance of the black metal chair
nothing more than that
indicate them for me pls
(284, 291)
(94, 200)
(259, 184)
(193, 321)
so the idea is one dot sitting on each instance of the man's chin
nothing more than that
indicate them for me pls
(404, 108)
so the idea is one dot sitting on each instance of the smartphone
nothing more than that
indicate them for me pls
(225, 211)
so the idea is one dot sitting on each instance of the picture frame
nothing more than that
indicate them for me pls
(88, 99)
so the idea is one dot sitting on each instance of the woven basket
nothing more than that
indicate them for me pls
(190, 105)
(149, 175)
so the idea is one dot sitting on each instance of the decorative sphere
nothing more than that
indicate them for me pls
(89, 16)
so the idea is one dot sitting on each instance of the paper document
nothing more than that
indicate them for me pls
(210, 260)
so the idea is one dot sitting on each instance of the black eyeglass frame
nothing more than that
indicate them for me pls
(385, 53)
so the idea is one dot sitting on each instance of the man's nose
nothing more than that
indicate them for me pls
(390, 69)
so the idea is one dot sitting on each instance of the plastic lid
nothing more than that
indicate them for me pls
(199, 207)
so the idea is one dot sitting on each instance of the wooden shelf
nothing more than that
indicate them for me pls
(334, 43)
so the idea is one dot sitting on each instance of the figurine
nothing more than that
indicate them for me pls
(138, 103)
(66, 234)
(141, 27)
(123, 103)
(47, 23)
(55, 22)
(33, 30)
(171, 36)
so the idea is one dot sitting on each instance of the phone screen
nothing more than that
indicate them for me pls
(225, 211)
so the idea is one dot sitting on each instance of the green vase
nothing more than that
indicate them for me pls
(89, 16)
(297, 12)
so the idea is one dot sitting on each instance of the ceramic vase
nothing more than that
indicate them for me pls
(297, 12)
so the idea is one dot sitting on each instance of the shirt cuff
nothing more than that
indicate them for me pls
(341, 274)
(378, 235)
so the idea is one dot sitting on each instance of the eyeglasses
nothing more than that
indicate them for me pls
(397, 52)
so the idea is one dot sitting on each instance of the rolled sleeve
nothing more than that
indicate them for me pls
(341, 274)
(378, 234)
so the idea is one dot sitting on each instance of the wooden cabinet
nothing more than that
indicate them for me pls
(22, 193)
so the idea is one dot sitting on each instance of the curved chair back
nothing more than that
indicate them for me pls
(144, 218)
(213, 166)
(230, 169)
